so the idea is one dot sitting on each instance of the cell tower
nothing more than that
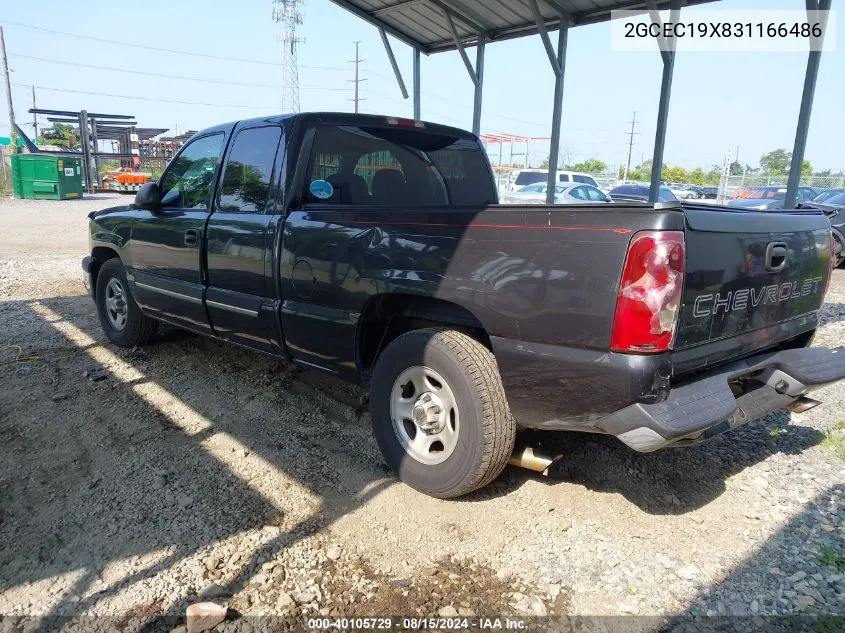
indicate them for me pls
(288, 13)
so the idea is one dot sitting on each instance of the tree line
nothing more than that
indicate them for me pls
(774, 163)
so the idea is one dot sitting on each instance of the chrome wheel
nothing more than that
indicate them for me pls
(425, 415)
(116, 307)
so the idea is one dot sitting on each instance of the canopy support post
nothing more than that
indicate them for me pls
(558, 63)
(476, 74)
(416, 73)
(667, 52)
(807, 95)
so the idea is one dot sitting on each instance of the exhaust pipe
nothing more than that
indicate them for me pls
(533, 459)
(802, 404)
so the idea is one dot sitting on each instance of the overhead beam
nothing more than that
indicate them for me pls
(561, 11)
(474, 26)
(459, 45)
(544, 36)
(378, 13)
(477, 22)
(393, 63)
(803, 126)
(368, 17)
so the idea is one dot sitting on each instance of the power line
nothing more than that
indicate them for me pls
(149, 74)
(163, 50)
(269, 108)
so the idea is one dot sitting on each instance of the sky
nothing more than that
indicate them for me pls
(747, 101)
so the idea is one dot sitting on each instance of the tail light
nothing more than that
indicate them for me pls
(649, 297)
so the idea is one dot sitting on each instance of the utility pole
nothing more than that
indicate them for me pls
(34, 116)
(357, 61)
(630, 146)
(14, 133)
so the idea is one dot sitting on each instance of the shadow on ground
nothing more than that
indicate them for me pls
(73, 502)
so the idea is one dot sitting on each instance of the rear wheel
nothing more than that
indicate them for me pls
(120, 317)
(439, 412)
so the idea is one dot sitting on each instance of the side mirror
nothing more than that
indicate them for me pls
(148, 196)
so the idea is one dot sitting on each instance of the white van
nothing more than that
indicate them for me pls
(524, 177)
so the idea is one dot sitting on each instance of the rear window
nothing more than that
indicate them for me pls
(353, 165)
(530, 177)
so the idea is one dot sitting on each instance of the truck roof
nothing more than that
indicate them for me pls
(346, 118)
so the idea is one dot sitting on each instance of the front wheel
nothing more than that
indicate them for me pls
(120, 317)
(439, 412)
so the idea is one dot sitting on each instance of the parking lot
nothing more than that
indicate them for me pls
(135, 482)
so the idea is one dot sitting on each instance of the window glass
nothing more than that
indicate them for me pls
(398, 167)
(530, 177)
(587, 180)
(579, 193)
(664, 195)
(595, 195)
(563, 178)
(190, 176)
(249, 169)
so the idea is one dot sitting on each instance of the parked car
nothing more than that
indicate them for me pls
(708, 193)
(569, 194)
(682, 192)
(834, 209)
(640, 192)
(770, 198)
(525, 177)
(825, 194)
(372, 248)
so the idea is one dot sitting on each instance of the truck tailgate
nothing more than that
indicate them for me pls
(746, 271)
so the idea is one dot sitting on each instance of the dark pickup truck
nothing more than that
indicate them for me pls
(374, 248)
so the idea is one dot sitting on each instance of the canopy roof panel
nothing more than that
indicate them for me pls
(425, 24)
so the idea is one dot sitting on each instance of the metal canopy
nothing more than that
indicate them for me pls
(426, 24)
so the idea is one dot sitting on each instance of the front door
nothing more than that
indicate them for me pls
(166, 244)
(240, 294)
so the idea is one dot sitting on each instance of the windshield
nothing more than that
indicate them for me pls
(538, 188)
(827, 195)
(836, 199)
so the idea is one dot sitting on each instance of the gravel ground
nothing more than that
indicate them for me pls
(137, 482)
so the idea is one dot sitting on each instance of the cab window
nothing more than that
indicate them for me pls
(249, 170)
(187, 182)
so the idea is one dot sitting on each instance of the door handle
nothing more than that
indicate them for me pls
(192, 237)
(776, 253)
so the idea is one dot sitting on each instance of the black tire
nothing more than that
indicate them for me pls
(138, 328)
(486, 433)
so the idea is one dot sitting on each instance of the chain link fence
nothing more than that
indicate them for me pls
(733, 187)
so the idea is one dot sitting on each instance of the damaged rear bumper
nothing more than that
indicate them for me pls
(731, 396)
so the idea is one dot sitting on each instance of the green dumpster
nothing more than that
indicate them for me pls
(46, 177)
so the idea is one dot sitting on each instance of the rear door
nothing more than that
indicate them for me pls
(239, 239)
(747, 273)
(166, 244)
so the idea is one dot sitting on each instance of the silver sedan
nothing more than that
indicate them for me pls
(564, 194)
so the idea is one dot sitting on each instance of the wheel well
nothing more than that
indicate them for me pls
(100, 255)
(387, 316)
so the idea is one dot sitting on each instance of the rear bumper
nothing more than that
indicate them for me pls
(708, 405)
(87, 266)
